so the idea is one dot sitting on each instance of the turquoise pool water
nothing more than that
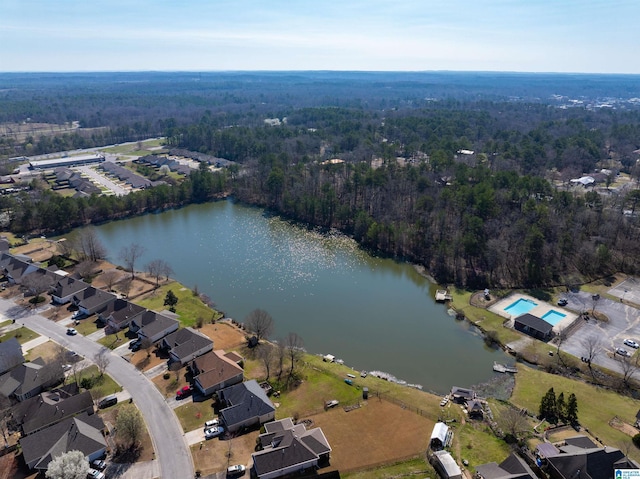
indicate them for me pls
(553, 317)
(520, 307)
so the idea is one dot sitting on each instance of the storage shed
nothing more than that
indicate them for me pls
(439, 436)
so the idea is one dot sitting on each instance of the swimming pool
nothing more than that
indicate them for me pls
(553, 317)
(520, 307)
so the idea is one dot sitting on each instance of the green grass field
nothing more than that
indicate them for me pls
(194, 414)
(21, 334)
(189, 307)
(103, 386)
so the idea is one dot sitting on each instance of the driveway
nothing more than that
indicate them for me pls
(624, 322)
(172, 451)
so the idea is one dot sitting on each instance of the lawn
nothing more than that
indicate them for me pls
(109, 415)
(103, 386)
(21, 334)
(87, 326)
(193, 415)
(475, 443)
(112, 341)
(417, 467)
(189, 307)
(596, 406)
(5, 323)
(216, 455)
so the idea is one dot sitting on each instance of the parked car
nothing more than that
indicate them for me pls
(563, 302)
(212, 432)
(236, 470)
(108, 401)
(72, 331)
(332, 403)
(631, 343)
(183, 393)
(66, 367)
(212, 422)
(95, 474)
(623, 352)
(99, 464)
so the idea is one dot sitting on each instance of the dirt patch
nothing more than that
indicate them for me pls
(376, 433)
(143, 362)
(47, 351)
(624, 427)
(11, 467)
(168, 387)
(224, 335)
(216, 455)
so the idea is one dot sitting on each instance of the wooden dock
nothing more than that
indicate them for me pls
(443, 295)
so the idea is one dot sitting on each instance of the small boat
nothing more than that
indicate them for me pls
(351, 375)
(501, 368)
(349, 382)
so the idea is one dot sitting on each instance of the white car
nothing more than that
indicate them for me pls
(623, 352)
(631, 343)
(72, 331)
(211, 423)
(95, 474)
(212, 432)
(238, 470)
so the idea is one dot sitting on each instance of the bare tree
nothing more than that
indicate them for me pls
(629, 368)
(85, 268)
(260, 323)
(281, 354)
(125, 285)
(5, 415)
(147, 345)
(294, 347)
(593, 348)
(110, 277)
(159, 268)
(266, 354)
(513, 422)
(89, 245)
(37, 283)
(130, 256)
(129, 425)
(69, 465)
(102, 360)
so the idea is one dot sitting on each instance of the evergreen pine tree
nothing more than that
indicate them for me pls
(572, 409)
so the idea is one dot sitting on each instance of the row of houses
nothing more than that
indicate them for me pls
(62, 178)
(159, 161)
(127, 176)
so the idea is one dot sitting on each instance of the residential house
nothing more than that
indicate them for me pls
(92, 300)
(474, 409)
(462, 395)
(48, 408)
(289, 448)
(185, 345)
(215, 370)
(79, 433)
(14, 269)
(10, 355)
(28, 379)
(446, 466)
(245, 405)
(66, 288)
(533, 326)
(513, 467)
(440, 436)
(580, 458)
(153, 326)
(118, 314)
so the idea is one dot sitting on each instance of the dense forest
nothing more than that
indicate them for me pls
(467, 175)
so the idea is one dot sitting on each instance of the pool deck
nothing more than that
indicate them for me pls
(540, 310)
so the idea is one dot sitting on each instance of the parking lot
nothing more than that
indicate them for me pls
(624, 322)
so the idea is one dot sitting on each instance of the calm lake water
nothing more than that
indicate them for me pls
(375, 314)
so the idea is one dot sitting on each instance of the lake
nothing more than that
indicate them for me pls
(374, 313)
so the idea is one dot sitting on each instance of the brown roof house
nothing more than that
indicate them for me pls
(10, 355)
(185, 345)
(92, 300)
(118, 314)
(246, 405)
(65, 288)
(215, 370)
(289, 448)
(153, 326)
(50, 407)
(80, 433)
(28, 379)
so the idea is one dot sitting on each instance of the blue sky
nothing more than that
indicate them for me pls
(590, 36)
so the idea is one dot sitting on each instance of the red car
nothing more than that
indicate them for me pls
(183, 393)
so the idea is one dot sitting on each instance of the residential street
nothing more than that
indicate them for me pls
(172, 452)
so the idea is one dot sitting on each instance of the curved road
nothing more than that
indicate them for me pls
(169, 442)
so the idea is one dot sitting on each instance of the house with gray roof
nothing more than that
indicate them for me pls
(185, 345)
(48, 408)
(14, 269)
(513, 467)
(289, 448)
(10, 355)
(80, 433)
(215, 370)
(92, 300)
(153, 326)
(66, 288)
(28, 379)
(245, 405)
(118, 314)
(533, 326)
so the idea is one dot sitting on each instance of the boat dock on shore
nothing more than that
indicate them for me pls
(443, 295)
(501, 368)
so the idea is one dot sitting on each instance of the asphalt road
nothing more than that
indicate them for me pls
(166, 433)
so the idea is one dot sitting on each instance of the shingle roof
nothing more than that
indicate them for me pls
(152, 323)
(10, 355)
(91, 298)
(186, 341)
(247, 400)
(68, 286)
(28, 376)
(534, 323)
(214, 368)
(81, 433)
(120, 311)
